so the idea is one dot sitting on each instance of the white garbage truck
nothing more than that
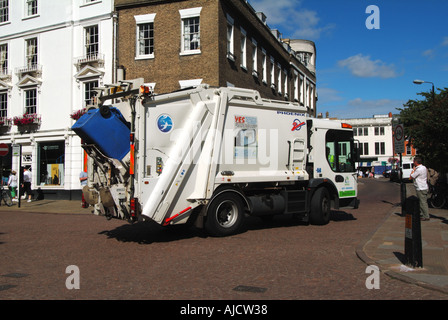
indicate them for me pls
(211, 156)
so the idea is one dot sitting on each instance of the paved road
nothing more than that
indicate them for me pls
(280, 260)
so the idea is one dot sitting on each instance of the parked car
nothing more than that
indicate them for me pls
(394, 175)
(407, 169)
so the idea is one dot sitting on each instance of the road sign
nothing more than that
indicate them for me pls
(4, 149)
(399, 138)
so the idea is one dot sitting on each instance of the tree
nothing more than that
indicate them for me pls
(426, 125)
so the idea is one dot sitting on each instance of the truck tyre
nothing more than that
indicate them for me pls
(320, 207)
(225, 215)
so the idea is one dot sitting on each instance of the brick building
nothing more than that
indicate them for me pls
(182, 43)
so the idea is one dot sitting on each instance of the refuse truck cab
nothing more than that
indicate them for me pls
(211, 156)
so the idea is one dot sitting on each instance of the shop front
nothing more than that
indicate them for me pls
(50, 164)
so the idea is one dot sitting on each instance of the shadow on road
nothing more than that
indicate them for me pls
(150, 232)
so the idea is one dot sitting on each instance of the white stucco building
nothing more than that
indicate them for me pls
(52, 54)
(375, 141)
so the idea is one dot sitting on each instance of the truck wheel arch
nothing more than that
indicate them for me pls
(220, 190)
(227, 199)
(315, 184)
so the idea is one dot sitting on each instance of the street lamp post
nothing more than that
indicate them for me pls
(433, 93)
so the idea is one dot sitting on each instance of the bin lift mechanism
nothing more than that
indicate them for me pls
(124, 90)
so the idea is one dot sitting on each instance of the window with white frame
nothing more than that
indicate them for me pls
(145, 41)
(285, 84)
(307, 94)
(363, 149)
(264, 66)
(408, 150)
(3, 104)
(191, 32)
(230, 45)
(31, 101)
(379, 131)
(92, 43)
(243, 51)
(254, 57)
(311, 97)
(272, 71)
(279, 78)
(31, 52)
(145, 36)
(89, 92)
(4, 59)
(296, 86)
(301, 89)
(380, 148)
(30, 8)
(4, 11)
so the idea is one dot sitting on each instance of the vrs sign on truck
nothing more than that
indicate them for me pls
(211, 156)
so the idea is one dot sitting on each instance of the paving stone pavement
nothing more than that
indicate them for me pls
(386, 248)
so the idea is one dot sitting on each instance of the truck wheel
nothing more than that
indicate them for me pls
(320, 207)
(225, 215)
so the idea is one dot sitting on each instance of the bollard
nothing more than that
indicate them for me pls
(413, 234)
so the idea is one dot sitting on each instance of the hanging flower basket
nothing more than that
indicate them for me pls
(78, 114)
(27, 119)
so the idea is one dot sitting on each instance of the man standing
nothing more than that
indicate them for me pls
(420, 176)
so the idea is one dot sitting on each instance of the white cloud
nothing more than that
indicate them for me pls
(289, 15)
(364, 67)
(328, 95)
(368, 108)
(359, 108)
(428, 53)
(445, 42)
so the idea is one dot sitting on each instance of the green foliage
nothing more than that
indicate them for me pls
(426, 124)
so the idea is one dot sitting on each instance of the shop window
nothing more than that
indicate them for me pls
(51, 163)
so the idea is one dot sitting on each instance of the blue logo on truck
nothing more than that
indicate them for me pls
(165, 123)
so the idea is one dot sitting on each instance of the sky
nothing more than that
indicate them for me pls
(367, 60)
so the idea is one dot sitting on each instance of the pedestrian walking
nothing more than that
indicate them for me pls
(12, 185)
(27, 183)
(420, 176)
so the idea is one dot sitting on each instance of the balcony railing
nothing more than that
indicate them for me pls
(5, 74)
(32, 68)
(90, 58)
